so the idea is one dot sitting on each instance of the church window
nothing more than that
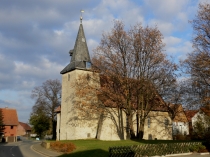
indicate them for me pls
(88, 65)
(148, 122)
(68, 77)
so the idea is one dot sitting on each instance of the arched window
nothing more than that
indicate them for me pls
(166, 122)
(148, 122)
(68, 77)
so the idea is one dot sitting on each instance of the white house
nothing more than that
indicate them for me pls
(180, 121)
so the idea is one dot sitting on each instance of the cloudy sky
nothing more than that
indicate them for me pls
(36, 36)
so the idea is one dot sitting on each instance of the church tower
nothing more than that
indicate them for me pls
(71, 127)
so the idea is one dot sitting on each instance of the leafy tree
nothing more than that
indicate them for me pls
(40, 122)
(47, 99)
(197, 64)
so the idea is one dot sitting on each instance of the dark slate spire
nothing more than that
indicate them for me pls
(80, 58)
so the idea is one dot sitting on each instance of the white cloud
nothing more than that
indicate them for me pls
(171, 41)
(166, 28)
(166, 9)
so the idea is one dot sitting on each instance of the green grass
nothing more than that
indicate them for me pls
(95, 148)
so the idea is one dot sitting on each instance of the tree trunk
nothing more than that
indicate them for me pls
(141, 130)
(137, 124)
(54, 130)
(121, 127)
(132, 133)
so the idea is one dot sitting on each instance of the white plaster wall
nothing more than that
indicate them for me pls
(181, 128)
(72, 127)
(58, 126)
(158, 129)
(203, 118)
(109, 126)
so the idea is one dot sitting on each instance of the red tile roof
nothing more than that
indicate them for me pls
(58, 109)
(206, 111)
(190, 114)
(25, 126)
(9, 116)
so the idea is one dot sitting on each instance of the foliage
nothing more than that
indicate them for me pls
(62, 147)
(197, 148)
(201, 127)
(47, 99)
(155, 149)
(2, 127)
(40, 122)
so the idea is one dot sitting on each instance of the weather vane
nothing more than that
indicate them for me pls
(82, 11)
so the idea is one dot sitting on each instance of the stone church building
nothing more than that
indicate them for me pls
(71, 127)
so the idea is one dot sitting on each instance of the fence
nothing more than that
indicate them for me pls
(151, 149)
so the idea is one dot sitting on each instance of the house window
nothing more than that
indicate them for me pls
(148, 122)
(11, 127)
(68, 77)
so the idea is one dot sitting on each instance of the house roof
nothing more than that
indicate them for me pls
(25, 126)
(9, 116)
(205, 110)
(80, 55)
(190, 114)
(178, 113)
(58, 109)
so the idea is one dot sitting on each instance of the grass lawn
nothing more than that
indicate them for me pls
(95, 148)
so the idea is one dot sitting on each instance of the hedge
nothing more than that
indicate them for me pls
(151, 149)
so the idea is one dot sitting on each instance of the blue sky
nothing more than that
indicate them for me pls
(36, 36)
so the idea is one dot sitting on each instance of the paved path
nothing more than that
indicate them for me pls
(190, 155)
(47, 152)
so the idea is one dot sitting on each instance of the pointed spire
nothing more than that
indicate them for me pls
(80, 58)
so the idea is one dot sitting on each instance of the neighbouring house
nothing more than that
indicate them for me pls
(10, 121)
(23, 129)
(180, 120)
(70, 125)
(200, 121)
(190, 114)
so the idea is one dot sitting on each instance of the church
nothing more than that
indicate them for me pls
(71, 127)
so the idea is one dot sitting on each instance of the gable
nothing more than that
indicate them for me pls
(25, 126)
(9, 116)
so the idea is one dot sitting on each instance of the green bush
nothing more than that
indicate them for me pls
(157, 149)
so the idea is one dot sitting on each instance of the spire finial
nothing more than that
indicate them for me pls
(82, 11)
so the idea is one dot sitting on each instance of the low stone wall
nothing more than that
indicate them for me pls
(45, 144)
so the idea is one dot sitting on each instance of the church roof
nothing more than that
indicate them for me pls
(80, 58)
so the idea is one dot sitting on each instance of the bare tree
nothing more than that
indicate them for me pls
(47, 98)
(197, 64)
(138, 70)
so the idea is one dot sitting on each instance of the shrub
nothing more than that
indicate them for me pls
(62, 147)
(157, 149)
(197, 148)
